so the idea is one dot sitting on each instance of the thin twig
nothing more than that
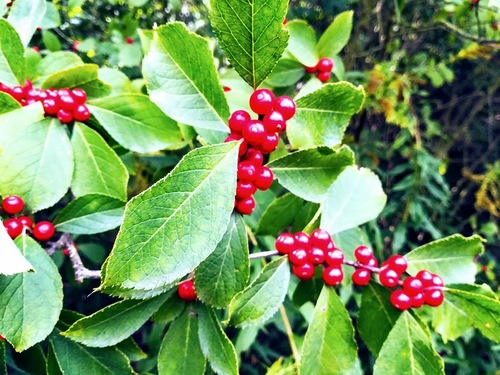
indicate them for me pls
(289, 333)
(263, 254)
(455, 30)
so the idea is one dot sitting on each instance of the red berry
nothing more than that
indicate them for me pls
(75, 45)
(12, 204)
(65, 116)
(418, 300)
(398, 263)
(79, 95)
(274, 121)
(333, 276)
(286, 106)
(321, 238)
(186, 290)
(17, 93)
(325, 65)
(245, 206)
(363, 254)
(316, 255)
(35, 48)
(412, 286)
(1, 337)
(323, 76)
(437, 280)
(285, 21)
(434, 297)
(361, 276)
(67, 102)
(262, 101)
(285, 243)
(244, 189)
(14, 227)
(4, 88)
(237, 120)
(298, 257)
(26, 221)
(226, 88)
(425, 277)
(264, 178)
(334, 257)
(246, 171)
(373, 262)
(388, 277)
(28, 85)
(43, 231)
(236, 137)
(310, 69)
(400, 300)
(270, 143)
(129, 40)
(302, 239)
(254, 132)
(255, 157)
(81, 113)
(304, 271)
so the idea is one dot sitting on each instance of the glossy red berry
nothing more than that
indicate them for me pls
(26, 221)
(373, 262)
(323, 76)
(75, 45)
(17, 93)
(81, 113)
(388, 277)
(262, 101)
(434, 297)
(425, 277)
(400, 300)
(246, 171)
(320, 238)
(226, 88)
(304, 271)
(186, 290)
(12, 204)
(79, 95)
(244, 189)
(254, 132)
(310, 69)
(334, 257)
(418, 300)
(245, 206)
(412, 286)
(255, 157)
(237, 120)
(361, 277)
(129, 40)
(333, 276)
(285, 243)
(316, 255)
(363, 254)
(303, 240)
(67, 102)
(14, 227)
(43, 231)
(274, 121)
(270, 143)
(398, 263)
(286, 106)
(437, 280)
(264, 178)
(236, 137)
(325, 65)
(65, 116)
(298, 256)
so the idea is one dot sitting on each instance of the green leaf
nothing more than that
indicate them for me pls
(119, 82)
(12, 260)
(377, 316)
(25, 16)
(286, 73)
(354, 198)
(97, 361)
(12, 64)
(323, 115)
(226, 271)
(52, 365)
(279, 214)
(451, 257)
(51, 18)
(3, 364)
(482, 311)
(408, 350)
(114, 323)
(136, 123)
(182, 80)
(329, 346)
(262, 298)
(169, 229)
(251, 35)
(130, 348)
(171, 309)
(8, 103)
(98, 170)
(54, 62)
(51, 41)
(180, 351)
(32, 152)
(336, 36)
(216, 346)
(309, 173)
(30, 302)
(302, 42)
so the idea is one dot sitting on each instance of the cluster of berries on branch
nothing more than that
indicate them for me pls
(65, 104)
(260, 137)
(305, 252)
(12, 206)
(186, 290)
(322, 69)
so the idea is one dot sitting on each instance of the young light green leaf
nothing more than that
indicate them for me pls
(25, 16)
(54, 62)
(226, 271)
(180, 351)
(51, 18)
(377, 316)
(216, 346)
(251, 35)
(136, 123)
(98, 170)
(114, 323)
(302, 42)
(451, 257)
(8, 103)
(12, 260)
(279, 214)
(33, 152)
(336, 36)
(286, 73)
(51, 41)
(12, 64)
(309, 173)
(354, 198)
(262, 298)
(30, 302)
(329, 346)
(172, 70)
(97, 361)
(323, 115)
(89, 214)
(408, 350)
(169, 229)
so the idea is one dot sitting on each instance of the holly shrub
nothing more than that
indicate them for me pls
(236, 202)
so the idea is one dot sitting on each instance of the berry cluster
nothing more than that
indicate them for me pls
(317, 249)
(13, 205)
(322, 69)
(65, 104)
(186, 290)
(260, 137)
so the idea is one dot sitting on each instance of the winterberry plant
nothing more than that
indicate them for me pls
(191, 193)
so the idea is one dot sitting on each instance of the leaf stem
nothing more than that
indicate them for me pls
(289, 333)
(263, 254)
